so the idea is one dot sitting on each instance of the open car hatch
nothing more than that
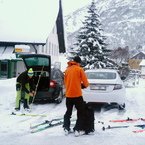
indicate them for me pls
(41, 64)
(37, 62)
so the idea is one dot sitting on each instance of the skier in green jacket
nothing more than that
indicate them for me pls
(25, 88)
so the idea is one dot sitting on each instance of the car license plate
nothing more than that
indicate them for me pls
(95, 87)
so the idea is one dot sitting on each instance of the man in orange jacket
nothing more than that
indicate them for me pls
(74, 78)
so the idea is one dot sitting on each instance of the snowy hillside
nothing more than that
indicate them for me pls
(123, 22)
(15, 130)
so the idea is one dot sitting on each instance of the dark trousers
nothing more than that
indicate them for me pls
(79, 105)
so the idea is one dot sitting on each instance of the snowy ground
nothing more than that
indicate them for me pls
(15, 130)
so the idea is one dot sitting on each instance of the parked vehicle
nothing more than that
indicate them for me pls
(49, 82)
(105, 86)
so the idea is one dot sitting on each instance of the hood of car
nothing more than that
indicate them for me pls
(38, 62)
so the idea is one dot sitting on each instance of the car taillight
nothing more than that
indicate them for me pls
(117, 86)
(52, 83)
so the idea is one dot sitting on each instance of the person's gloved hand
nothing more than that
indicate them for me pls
(83, 86)
(31, 94)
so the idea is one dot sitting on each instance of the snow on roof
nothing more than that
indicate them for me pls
(142, 63)
(138, 53)
(7, 53)
(27, 20)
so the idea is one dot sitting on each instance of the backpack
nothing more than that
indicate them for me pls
(88, 123)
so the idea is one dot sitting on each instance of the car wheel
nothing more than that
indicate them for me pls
(60, 97)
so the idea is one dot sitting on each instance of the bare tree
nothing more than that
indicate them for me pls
(120, 55)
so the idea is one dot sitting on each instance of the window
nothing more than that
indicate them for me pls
(101, 75)
(4, 69)
(37, 61)
(13, 69)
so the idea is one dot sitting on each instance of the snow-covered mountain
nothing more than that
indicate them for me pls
(123, 22)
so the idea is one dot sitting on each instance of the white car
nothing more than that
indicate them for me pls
(105, 86)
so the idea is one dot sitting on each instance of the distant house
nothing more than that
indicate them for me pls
(142, 65)
(10, 63)
(134, 62)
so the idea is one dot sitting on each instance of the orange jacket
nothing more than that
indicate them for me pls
(73, 78)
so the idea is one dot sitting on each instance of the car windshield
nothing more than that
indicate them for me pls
(101, 75)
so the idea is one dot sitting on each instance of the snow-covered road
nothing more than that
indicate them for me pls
(15, 130)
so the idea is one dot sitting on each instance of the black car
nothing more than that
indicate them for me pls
(49, 82)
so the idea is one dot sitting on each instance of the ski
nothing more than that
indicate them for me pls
(34, 115)
(46, 127)
(113, 127)
(50, 124)
(142, 130)
(127, 120)
(43, 123)
(141, 125)
(138, 131)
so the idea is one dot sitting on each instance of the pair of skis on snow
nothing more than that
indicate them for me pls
(47, 124)
(126, 120)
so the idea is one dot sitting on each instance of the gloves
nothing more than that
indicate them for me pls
(83, 86)
(31, 94)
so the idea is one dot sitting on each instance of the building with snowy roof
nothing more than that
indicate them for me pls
(134, 62)
(142, 65)
(29, 27)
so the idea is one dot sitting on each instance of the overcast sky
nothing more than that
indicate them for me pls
(32, 20)
(27, 20)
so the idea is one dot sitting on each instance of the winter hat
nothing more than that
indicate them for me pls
(77, 59)
(30, 72)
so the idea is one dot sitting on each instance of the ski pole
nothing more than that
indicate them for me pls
(37, 84)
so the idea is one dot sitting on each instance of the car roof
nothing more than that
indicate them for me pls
(101, 70)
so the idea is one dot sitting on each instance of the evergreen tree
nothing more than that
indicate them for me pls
(91, 46)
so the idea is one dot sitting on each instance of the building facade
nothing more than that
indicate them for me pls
(11, 65)
(135, 61)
